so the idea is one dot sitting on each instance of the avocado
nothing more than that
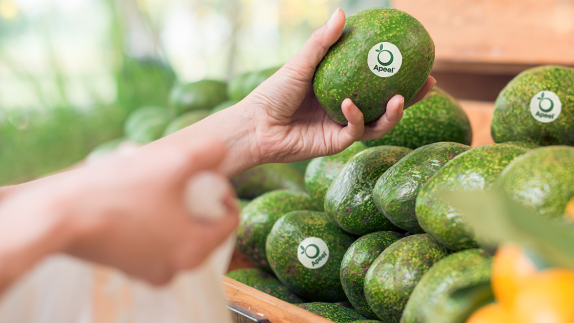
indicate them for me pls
(453, 307)
(258, 218)
(253, 277)
(332, 312)
(201, 95)
(267, 178)
(184, 121)
(392, 277)
(300, 166)
(475, 169)
(537, 106)
(357, 261)
(147, 124)
(542, 179)
(279, 291)
(242, 203)
(382, 52)
(436, 282)
(524, 144)
(305, 251)
(396, 190)
(437, 117)
(349, 200)
(222, 106)
(322, 171)
(241, 85)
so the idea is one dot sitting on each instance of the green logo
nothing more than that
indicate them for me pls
(542, 98)
(380, 51)
(304, 251)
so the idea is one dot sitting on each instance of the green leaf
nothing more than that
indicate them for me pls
(495, 216)
(381, 48)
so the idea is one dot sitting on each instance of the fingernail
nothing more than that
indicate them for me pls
(330, 22)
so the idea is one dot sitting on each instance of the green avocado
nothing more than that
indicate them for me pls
(523, 112)
(542, 179)
(147, 124)
(396, 190)
(395, 273)
(267, 178)
(349, 200)
(332, 312)
(380, 36)
(281, 292)
(305, 251)
(436, 282)
(322, 171)
(258, 218)
(241, 85)
(524, 144)
(437, 117)
(253, 277)
(475, 169)
(357, 261)
(184, 121)
(453, 307)
(222, 106)
(201, 95)
(300, 166)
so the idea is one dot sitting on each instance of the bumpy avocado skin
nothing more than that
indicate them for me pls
(258, 218)
(252, 277)
(333, 312)
(344, 72)
(542, 179)
(475, 169)
(322, 171)
(437, 117)
(320, 284)
(396, 190)
(436, 282)
(524, 144)
(201, 95)
(395, 273)
(349, 200)
(476, 274)
(512, 119)
(267, 178)
(356, 263)
(281, 292)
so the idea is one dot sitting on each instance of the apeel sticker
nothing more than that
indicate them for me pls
(313, 253)
(545, 106)
(385, 59)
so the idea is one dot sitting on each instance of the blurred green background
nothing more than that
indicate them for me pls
(71, 71)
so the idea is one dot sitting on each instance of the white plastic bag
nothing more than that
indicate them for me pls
(63, 289)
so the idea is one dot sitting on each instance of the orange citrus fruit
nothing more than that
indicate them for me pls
(548, 298)
(491, 313)
(510, 269)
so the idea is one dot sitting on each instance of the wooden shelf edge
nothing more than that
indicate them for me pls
(274, 309)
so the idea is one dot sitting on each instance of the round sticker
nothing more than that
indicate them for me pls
(545, 106)
(385, 59)
(313, 253)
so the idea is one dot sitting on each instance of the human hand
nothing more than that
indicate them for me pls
(128, 212)
(291, 125)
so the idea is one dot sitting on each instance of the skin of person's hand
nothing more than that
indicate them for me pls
(291, 124)
(128, 213)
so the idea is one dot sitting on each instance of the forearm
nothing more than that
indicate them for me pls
(31, 227)
(235, 127)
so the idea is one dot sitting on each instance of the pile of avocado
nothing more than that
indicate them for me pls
(364, 235)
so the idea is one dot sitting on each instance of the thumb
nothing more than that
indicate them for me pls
(307, 59)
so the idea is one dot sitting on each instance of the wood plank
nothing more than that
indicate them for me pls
(274, 309)
(480, 116)
(530, 32)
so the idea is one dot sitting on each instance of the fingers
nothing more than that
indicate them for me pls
(429, 84)
(355, 126)
(388, 121)
(306, 60)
